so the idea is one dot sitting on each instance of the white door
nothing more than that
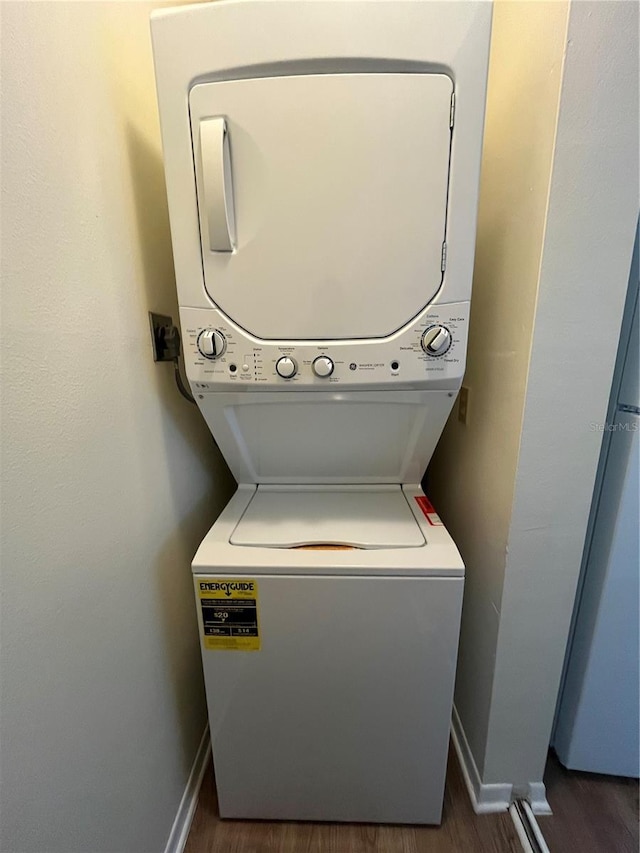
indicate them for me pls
(322, 200)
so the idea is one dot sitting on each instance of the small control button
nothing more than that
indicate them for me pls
(395, 365)
(245, 367)
(232, 368)
(322, 366)
(286, 367)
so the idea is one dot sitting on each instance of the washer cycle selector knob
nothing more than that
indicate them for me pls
(286, 367)
(211, 343)
(322, 366)
(436, 340)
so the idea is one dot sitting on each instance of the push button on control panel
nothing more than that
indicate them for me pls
(286, 367)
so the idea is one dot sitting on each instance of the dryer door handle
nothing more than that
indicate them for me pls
(215, 157)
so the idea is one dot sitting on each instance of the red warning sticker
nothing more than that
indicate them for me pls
(428, 511)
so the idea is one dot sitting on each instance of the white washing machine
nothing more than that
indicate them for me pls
(322, 163)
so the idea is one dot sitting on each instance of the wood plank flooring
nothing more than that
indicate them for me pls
(591, 813)
(461, 832)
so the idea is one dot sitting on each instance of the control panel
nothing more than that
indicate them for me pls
(428, 353)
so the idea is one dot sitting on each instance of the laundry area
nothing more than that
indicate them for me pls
(335, 472)
(324, 289)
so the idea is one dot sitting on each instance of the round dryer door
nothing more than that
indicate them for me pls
(322, 200)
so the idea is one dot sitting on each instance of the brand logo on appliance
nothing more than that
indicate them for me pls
(228, 587)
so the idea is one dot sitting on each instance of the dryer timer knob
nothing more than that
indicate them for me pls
(436, 340)
(211, 343)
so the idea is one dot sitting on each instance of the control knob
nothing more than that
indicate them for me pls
(286, 367)
(211, 343)
(436, 340)
(322, 366)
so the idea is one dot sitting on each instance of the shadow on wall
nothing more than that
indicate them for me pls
(152, 218)
(177, 609)
(182, 424)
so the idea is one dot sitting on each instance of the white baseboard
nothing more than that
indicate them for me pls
(537, 798)
(186, 810)
(491, 798)
(485, 799)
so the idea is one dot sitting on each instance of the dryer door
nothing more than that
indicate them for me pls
(322, 200)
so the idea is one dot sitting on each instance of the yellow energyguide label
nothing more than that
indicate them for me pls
(229, 608)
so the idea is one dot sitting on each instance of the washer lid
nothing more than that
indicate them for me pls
(352, 517)
(322, 200)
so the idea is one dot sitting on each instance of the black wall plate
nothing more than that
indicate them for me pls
(162, 329)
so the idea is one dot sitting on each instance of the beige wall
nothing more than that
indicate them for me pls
(109, 478)
(472, 475)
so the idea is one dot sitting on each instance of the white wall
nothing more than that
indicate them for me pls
(472, 476)
(588, 246)
(109, 478)
(521, 579)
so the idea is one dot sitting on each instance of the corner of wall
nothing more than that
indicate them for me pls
(586, 254)
(473, 473)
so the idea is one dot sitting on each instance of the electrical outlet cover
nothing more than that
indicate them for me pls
(159, 324)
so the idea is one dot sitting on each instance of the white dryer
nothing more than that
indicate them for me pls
(322, 164)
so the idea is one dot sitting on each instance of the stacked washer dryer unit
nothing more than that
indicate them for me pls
(322, 165)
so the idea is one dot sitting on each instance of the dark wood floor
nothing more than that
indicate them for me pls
(591, 813)
(461, 832)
